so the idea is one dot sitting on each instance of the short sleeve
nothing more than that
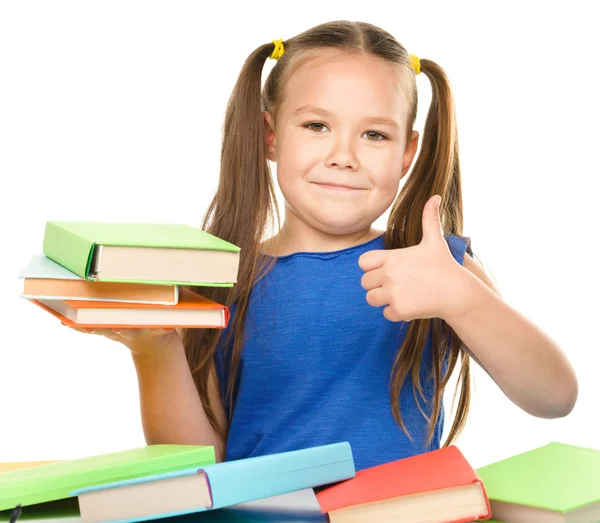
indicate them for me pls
(459, 245)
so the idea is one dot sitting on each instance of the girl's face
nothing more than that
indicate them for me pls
(340, 143)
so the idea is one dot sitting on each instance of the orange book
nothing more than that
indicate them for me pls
(45, 279)
(191, 311)
(439, 486)
(77, 290)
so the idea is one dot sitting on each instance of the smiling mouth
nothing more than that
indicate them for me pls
(338, 187)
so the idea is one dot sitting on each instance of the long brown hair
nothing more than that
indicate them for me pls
(245, 205)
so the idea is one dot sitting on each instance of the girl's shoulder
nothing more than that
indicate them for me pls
(459, 246)
(268, 247)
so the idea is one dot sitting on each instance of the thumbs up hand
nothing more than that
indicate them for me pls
(422, 281)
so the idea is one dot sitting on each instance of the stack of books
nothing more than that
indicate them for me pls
(160, 481)
(130, 275)
(553, 483)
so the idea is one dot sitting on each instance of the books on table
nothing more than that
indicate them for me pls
(553, 483)
(18, 465)
(438, 486)
(55, 481)
(59, 511)
(220, 485)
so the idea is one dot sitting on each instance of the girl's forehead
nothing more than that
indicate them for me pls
(333, 64)
(347, 83)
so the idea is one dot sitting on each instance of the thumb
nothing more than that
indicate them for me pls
(432, 226)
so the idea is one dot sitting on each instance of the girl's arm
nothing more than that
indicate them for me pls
(526, 364)
(170, 405)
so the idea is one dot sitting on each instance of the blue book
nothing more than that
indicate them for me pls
(215, 486)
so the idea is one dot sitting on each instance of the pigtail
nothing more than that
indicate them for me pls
(436, 171)
(239, 213)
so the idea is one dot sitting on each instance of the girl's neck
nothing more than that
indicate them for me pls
(307, 239)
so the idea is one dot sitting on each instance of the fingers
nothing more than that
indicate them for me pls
(372, 279)
(88, 330)
(376, 297)
(122, 334)
(78, 329)
(132, 333)
(372, 259)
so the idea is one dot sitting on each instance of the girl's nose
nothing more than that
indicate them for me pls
(343, 156)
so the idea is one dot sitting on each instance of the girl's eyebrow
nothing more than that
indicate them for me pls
(328, 114)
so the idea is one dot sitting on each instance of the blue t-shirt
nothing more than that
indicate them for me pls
(317, 361)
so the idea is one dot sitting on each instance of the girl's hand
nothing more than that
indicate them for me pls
(423, 281)
(140, 342)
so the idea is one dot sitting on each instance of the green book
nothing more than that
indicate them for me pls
(174, 254)
(56, 481)
(555, 482)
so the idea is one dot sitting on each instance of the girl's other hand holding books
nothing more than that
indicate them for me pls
(141, 342)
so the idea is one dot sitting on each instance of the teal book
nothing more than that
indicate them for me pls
(552, 483)
(216, 486)
(56, 481)
(172, 254)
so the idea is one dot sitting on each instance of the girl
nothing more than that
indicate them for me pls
(339, 331)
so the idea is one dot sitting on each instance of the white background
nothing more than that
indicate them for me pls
(113, 111)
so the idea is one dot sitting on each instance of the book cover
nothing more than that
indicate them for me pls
(113, 315)
(71, 243)
(40, 266)
(56, 481)
(244, 480)
(46, 279)
(556, 476)
(434, 470)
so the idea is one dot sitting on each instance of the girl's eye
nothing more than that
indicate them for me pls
(371, 133)
(378, 137)
(314, 123)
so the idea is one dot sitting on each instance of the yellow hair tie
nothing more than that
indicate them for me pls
(415, 63)
(279, 50)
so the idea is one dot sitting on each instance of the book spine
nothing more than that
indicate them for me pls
(232, 489)
(67, 249)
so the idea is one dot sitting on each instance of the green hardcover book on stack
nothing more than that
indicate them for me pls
(175, 254)
(56, 481)
(553, 483)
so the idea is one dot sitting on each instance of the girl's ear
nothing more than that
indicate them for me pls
(409, 152)
(270, 137)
